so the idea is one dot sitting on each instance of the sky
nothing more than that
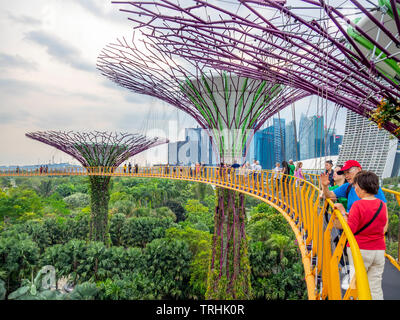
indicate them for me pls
(49, 81)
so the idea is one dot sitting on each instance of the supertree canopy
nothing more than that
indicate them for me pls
(229, 106)
(97, 149)
(346, 52)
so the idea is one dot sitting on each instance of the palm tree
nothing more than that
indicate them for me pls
(280, 242)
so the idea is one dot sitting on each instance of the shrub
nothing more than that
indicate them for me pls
(19, 256)
(167, 264)
(140, 231)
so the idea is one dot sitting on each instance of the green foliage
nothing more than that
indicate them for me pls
(18, 257)
(33, 290)
(198, 214)
(117, 222)
(3, 290)
(91, 261)
(45, 188)
(126, 207)
(65, 190)
(137, 232)
(200, 246)
(271, 280)
(18, 201)
(77, 200)
(167, 263)
(135, 286)
(264, 221)
(46, 229)
(177, 209)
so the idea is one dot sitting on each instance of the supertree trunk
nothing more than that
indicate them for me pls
(100, 196)
(229, 271)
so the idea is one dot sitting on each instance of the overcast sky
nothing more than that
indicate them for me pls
(49, 81)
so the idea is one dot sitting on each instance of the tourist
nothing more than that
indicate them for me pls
(344, 261)
(192, 169)
(329, 171)
(253, 169)
(258, 170)
(368, 220)
(197, 169)
(285, 178)
(136, 168)
(292, 167)
(339, 180)
(125, 168)
(247, 172)
(346, 190)
(241, 173)
(167, 169)
(129, 167)
(277, 170)
(298, 174)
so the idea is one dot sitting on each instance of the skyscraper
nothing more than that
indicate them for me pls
(279, 139)
(291, 147)
(196, 147)
(374, 149)
(304, 135)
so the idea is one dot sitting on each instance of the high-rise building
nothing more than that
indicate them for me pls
(291, 145)
(304, 137)
(279, 139)
(334, 141)
(196, 147)
(373, 148)
(268, 145)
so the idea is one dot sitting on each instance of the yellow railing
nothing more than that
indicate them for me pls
(314, 178)
(311, 219)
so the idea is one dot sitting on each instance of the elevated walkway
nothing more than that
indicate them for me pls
(299, 203)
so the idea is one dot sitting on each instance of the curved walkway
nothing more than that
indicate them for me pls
(301, 207)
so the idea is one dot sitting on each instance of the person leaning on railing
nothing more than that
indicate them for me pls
(368, 220)
(349, 170)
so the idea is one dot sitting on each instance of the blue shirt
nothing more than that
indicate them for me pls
(341, 193)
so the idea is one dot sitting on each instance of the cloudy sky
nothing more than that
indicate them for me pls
(49, 80)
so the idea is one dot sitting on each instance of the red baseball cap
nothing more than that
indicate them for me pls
(349, 164)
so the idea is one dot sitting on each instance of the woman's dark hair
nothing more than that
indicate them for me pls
(368, 181)
(285, 167)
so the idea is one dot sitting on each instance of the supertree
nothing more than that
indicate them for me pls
(231, 108)
(97, 149)
(353, 64)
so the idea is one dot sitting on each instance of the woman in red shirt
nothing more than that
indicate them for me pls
(368, 220)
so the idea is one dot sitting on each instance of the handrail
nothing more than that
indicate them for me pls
(297, 200)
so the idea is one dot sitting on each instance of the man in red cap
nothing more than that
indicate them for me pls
(349, 170)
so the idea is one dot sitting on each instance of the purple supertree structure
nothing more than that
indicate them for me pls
(329, 56)
(93, 150)
(231, 108)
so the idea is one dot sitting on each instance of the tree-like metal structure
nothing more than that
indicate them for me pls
(231, 108)
(97, 149)
(330, 55)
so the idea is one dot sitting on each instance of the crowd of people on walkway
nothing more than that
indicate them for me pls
(129, 169)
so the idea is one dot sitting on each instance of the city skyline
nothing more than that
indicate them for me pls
(269, 145)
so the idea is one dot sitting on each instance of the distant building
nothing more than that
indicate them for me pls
(279, 139)
(373, 148)
(268, 145)
(291, 143)
(196, 147)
